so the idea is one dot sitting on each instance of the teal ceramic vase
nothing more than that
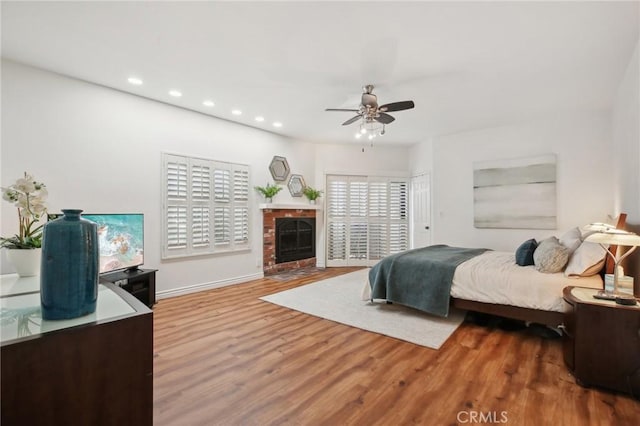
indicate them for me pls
(69, 267)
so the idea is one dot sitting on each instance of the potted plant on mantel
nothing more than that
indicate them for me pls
(269, 191)
(311, 194)
(24, 248)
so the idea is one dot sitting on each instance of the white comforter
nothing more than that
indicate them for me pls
(494, 277)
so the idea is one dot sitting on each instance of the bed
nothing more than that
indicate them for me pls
(490, 282)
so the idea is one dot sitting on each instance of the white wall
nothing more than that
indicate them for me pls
(582, 145)
(626, 146)
(100, 150)
(421, 158)
(626, 141)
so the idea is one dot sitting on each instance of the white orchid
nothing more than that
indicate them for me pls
(25, 185)
(29, 197)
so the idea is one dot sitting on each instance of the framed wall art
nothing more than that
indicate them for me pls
(516, 193)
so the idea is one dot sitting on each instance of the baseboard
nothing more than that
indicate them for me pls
(165, 294)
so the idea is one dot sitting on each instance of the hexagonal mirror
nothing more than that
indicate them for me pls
(296, 185)
(279, 168)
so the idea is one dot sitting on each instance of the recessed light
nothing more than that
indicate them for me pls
(277, 124)
(260, 118)
(208, 103)
(175, 93)
(236, 112)
(135, 81)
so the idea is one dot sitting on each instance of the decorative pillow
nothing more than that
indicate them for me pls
(571, 239)
(587, 260)
(524, 253)
(550, 256)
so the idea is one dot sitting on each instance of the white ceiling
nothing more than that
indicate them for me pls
(465, 65)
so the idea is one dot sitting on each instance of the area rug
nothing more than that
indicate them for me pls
(338, 299)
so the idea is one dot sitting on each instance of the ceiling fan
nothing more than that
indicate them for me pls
(369, 110)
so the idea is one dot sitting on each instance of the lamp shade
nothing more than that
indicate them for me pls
(598, 227)
(615, 237)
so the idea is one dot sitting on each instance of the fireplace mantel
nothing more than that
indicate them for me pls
(289, 206)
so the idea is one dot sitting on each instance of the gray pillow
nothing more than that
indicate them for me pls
(550, 256)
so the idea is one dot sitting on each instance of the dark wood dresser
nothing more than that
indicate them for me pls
(92, 370)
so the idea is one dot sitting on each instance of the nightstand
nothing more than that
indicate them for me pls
(601, 344)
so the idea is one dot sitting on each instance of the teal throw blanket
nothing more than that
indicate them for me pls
(420, 278)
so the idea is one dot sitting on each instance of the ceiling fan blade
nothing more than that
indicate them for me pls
(341, 109)
(352, 120)
(397, 106)
(384, 118)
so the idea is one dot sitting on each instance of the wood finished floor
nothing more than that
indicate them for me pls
(224, 357)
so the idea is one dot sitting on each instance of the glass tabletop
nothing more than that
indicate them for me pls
(20, 314)
(11, 284)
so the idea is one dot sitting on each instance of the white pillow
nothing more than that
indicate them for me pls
(587, 260)
(571, 239)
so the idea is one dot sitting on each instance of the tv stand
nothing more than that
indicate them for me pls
(141, 283)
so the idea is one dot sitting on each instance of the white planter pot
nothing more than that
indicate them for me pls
(25, 261)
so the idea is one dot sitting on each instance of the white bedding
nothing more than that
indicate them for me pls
(494, 277)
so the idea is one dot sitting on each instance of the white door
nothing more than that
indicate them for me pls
(420, 210)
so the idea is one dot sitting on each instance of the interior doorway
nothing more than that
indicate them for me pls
(420, 210)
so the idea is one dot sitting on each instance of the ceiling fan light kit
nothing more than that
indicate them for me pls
(373, 118)
(371, 129)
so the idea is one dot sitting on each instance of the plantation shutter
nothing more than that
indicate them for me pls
(176, 205)
(347, 221)
(398, 216)
(337, 201)
(222, 208)
(206, 206)
(200, 205)
(379, 214)
(241, 206)
(366, 219)
(358, 221)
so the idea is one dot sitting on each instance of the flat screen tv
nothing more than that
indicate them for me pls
(120, 239)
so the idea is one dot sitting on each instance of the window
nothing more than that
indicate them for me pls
(206, 206)
(367, 219)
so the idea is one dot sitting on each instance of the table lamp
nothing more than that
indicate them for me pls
(616, 237)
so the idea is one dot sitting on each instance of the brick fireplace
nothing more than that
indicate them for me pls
(270, 213)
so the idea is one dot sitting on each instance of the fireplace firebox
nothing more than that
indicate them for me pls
(295, 239)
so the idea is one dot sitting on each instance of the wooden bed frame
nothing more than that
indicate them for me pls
(550, 318)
